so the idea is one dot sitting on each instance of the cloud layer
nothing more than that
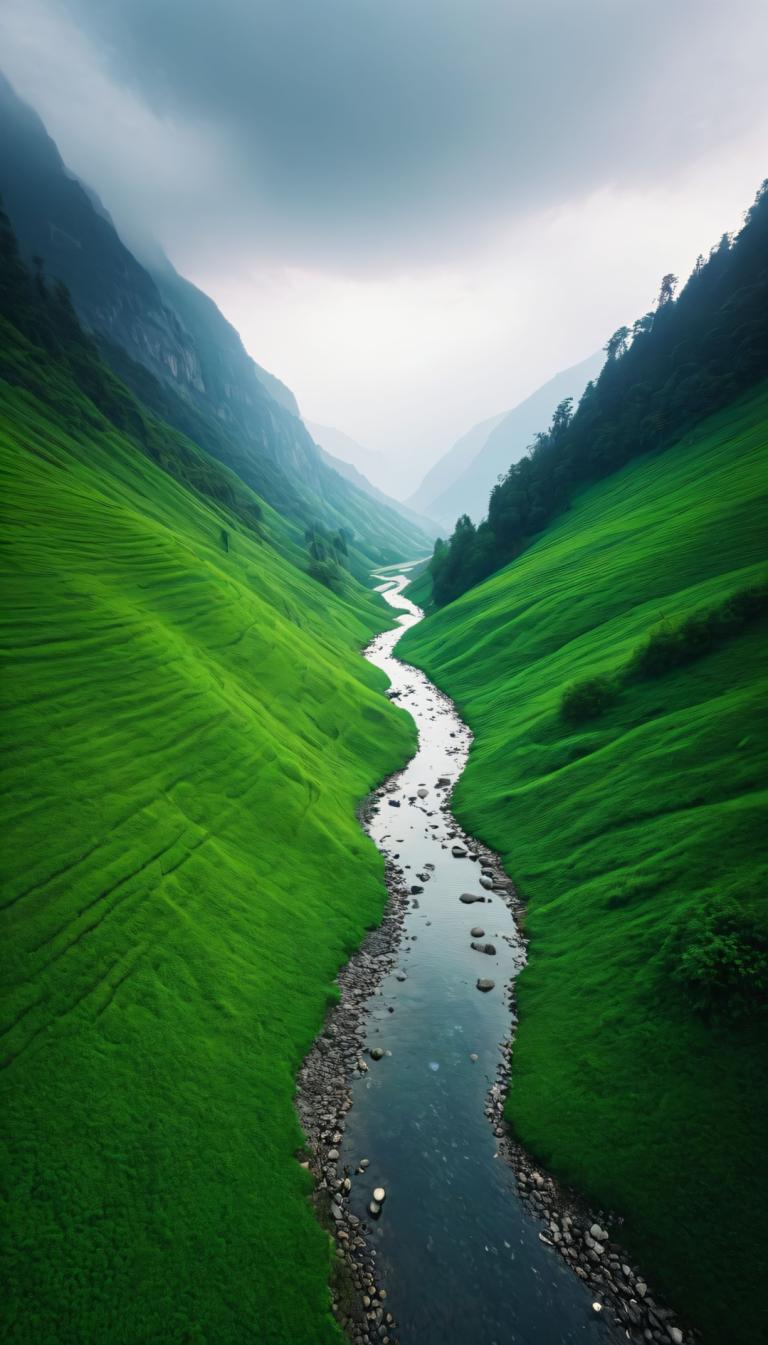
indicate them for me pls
(414, 210)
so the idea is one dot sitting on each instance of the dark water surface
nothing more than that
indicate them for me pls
(458, 1252)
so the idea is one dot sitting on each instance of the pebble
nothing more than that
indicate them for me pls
(379, 1195)
(485, 985)
(477, 932)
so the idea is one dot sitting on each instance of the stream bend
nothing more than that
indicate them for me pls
(459, 1253)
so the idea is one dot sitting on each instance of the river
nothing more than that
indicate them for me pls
(458, 1251)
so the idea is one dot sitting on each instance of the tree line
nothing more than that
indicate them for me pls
(686, 358)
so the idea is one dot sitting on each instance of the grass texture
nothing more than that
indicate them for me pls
(622, 834)
(188, 726)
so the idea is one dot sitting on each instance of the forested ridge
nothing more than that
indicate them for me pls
(680, 362)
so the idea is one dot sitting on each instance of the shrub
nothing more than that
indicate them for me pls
(587, 699)
(723, 963)
(672, 645)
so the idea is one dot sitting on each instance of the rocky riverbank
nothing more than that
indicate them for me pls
(586, 1239)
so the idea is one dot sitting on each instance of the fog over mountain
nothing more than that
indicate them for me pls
(409, 233)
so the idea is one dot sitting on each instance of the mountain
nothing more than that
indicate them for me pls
(613, 676)
(508, 438)
(604, 633)
(450, 466)
(154, 322)
(367, 461)
(351, 473)
(188, 728)
(689, 356)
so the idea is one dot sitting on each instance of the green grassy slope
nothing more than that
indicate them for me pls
(618, 831)
(188, 727)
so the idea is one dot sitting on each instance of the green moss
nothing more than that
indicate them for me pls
(188, 727)
(621, 832)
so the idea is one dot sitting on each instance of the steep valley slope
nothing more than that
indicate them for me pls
(634, 831)
(188, 727)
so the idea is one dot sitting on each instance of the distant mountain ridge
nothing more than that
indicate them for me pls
(345, 455)
(449, 467)
(174, 348)
(470, 469)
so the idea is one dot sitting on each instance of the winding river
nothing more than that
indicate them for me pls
(460, 1254)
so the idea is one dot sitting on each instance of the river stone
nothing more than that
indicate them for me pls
(486, 882)
(422, 793)
(415, 889)
(488, 948)
(675, 1335)
(474, 1056)
(477, 932)
(458, 851)
(379, 1195)
(597, 1232)
(376, 1053)
(443, 779)
(393, 803)
(485, 985)
(469, 898)
(374, 1208)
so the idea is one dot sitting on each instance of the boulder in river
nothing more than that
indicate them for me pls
(422, 793)
(376, 1053)
(488, 948)
(469, 898)
(393, 803)
(485, 985)
(458, 851)
(415, 889)
(379, 1195)
(477, 932)
(485, 882)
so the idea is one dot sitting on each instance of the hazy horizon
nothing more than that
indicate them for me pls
(413, 234)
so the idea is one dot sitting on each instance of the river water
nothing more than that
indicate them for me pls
(457, 1250)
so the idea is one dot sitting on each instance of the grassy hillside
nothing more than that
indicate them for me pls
(636, 838)
(187, 729)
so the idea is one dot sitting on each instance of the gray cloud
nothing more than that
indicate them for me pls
(378, 131)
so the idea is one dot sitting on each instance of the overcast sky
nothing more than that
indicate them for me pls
(414, 211)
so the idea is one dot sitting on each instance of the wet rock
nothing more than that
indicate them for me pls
(458, 851)
(422, 793)
(474, 1057)
(415, 889)
(379, 1195)
(488, 948)
(469, 898)
(374, 1208)
(486, 882)
(477, 932)
(393, 803)
(376, 1053)
(485, 985)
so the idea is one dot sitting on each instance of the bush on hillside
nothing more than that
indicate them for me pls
(674, 644)
(588, 699)
(723, 963)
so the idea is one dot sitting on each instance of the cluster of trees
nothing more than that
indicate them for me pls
(680, 362)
